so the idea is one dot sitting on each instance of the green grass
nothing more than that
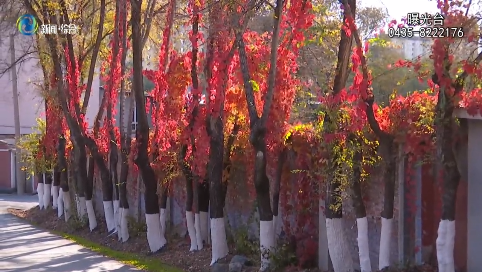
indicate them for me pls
(140, 262)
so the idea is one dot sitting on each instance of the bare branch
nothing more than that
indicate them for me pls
(25, 57)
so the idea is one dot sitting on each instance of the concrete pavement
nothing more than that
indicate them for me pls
(25, 248)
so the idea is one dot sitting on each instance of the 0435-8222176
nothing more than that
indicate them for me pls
(426, 32)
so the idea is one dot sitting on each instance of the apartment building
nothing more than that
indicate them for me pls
(411, 48)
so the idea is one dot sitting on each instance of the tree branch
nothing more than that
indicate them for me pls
(18, 61)
(95, 50)
(373, 122)
(274, 57)
(91, 47)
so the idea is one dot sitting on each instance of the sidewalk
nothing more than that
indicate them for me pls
(25, 248)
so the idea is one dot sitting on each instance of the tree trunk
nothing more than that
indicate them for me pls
(215, 172)
(124, 174)
(156, 242)
(55, 188)
(89, 190)
(47, 189)
(387, 149)
(125, 137)
(113, 160)
(123, 202)
(203, 193)
(277, 185)
(64, 183)
(163, 209)
(39, 177)
(451, 178)
(360, 213)
(338, 246)
(190, 186)
(107, 190)
(79, 174)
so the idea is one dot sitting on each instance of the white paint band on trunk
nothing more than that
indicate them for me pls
(154, 238)
(445, 246)
(275, 227)
(124, 226)
(197, 227)
(450, 246)
(109, 215)
(117, 216)
(40, 193)
(191, 230)
(67, 205)
(363, 248)
(47, 195)
(163, 218)
(338, 247)
(60, 204)
(218, 240)
(55, 196)
(82, 207)
(385, 239)
(203, 216)
(266, 242)
(91, 214)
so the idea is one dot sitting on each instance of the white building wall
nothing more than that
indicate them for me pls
(29, 73)
(30, 103)
(414, 47)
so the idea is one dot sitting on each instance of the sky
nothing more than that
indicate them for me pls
(397, 9)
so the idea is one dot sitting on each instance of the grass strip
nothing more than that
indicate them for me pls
(138, 261)
(135, 260)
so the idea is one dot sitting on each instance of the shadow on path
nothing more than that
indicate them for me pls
(25, 248)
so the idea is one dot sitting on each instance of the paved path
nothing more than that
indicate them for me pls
(24, 248)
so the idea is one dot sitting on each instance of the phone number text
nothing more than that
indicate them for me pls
(426, 32)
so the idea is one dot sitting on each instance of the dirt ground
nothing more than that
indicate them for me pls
(176, 254)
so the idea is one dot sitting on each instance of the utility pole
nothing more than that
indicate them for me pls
(20, 182)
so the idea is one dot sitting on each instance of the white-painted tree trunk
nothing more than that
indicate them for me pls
(55, 196)
(91, 215)
(60, 203)
(275, 228)
(154, 238)
(385, 239)
(67, 205)
(191, 229)
(124, 228)
(445, 246)
(47, 195)
(81, 207)
(40, 193)
(203, 217)
(109, 215)
(197, 227)
(338, 246)
(116, 215)
(163, 219)
(218, 240)
(363, 248)
(266, 242)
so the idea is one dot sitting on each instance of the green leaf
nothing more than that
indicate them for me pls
(255, 85)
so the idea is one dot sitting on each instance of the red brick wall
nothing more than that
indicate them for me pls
(5, 169)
